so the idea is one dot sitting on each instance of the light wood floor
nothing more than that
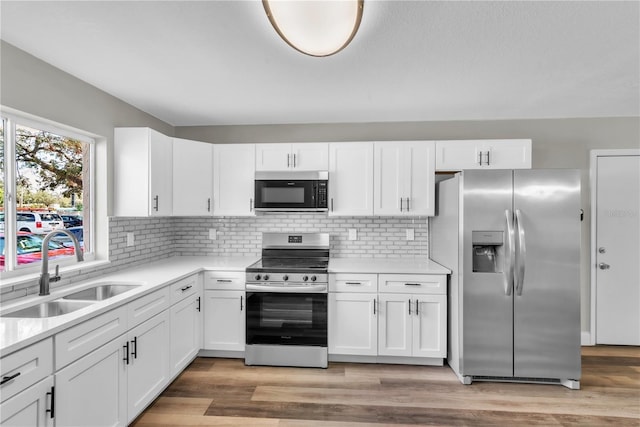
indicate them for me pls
(224, 392)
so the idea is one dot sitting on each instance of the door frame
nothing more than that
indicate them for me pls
(593, 181)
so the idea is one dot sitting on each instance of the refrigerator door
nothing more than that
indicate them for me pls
(487, 303)
(547, 294)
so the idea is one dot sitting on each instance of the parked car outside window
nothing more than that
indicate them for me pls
(66, 241)
(71, 220)
(38, 222)
(29, 248)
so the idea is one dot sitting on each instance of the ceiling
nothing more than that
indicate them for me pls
(221, 62)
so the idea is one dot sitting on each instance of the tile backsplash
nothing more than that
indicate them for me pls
(157, 238)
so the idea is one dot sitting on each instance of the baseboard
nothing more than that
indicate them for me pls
(585, 338)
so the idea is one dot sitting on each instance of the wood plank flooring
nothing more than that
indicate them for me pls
(224, 392)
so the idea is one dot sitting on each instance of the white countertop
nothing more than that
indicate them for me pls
(386, 266)
(17, 333)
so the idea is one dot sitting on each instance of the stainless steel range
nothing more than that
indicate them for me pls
(287, 301)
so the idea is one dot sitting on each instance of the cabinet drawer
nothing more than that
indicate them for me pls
(184, 288)
(353, 282)
(148, 306)
(224, 280)
(26, 366)
(413, 283)
(75, 342)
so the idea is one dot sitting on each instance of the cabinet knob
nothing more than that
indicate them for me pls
(604, 266)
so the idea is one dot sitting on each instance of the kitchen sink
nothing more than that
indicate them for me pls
(101, 292)
(49, 309)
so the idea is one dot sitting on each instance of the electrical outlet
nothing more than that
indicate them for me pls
(131, 239)
(213, 234)
(411, 234)
(353, 234)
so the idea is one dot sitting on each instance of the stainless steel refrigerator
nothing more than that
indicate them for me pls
(512, 241)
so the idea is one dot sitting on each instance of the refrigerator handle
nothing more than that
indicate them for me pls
(522, 254)
(510, 253)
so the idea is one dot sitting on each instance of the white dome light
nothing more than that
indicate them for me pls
(315, 27)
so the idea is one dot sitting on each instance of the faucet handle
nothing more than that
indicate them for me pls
(56, 276)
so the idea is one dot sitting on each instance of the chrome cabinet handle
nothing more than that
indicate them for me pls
(409, 306)
(400, 204)
(126, 352)
(223, 280)
(134, 347)
(250, 205)
(413, 284)
(294, 160)
(209, 205)
(51, 411)
(488, 158)
(417, 307)
(186, 288)
(480, 158)
(198, 307)
(8, 378)
(157, 203)
(241, 302)
(353, 283)
(407, 204)
(332, 204)
(604, 266)
(288, 160)
(374, 306)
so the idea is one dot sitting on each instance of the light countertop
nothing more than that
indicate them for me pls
(386, 266)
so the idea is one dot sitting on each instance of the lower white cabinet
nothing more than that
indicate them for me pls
(412, 325)
(186, 332)
(353, 324)
(31, 407)
(148, 364)
(224, 320)
(93, 390)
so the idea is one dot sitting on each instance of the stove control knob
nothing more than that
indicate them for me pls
(266, 277)
(305, 278)
(313, 278)
(285, 277)
(257, 277)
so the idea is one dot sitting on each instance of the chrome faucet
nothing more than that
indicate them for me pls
(45, 279)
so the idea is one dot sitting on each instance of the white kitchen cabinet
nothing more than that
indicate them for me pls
(149, 365)
(286, 157)
(186, 331)
(351, 179)
(23, 368)
(192, 178)
(404, 178)
(93, 390)
(483, 154)
(224, 320)
(353, 323)
(31, 407)
(233, 179)
(412, 325)
(143, 169)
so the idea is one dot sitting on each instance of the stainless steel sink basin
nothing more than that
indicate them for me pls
(49, 309)
(100, 292)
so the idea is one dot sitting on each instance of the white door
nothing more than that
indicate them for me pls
(149, 365)
(233, 182)
(390, 176)
(161, 174)
(395, 334)
(224, 320)
(186, 332)
(192, 178)
(29, 408)
(93, 390)
(351, 178)
(419, 189)
(429, 326)
(310, 156)
(273, 157)
(353, 324)
(617, 250)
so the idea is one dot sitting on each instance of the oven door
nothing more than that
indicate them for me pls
(276, 318)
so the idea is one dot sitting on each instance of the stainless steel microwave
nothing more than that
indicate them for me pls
(291, 191)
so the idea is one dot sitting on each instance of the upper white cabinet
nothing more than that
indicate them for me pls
(300, 156)
(351, 178)
(192, 178)
(483, 154)
(143, 172)
(233, 179)
(404, 175)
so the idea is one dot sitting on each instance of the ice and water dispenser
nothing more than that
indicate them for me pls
(488, 251)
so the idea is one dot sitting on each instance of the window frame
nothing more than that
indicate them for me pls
(11, 119)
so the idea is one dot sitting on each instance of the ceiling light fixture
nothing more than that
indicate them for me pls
(315, 27)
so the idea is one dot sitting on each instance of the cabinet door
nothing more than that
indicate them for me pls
(430, 326)
(419, 185)
(389, 178)
(224, 320)
(161, 174)
(192, 178)
(29, 408)
(457, 155)
(310, 156)
(186, 332)
(351, 179)
(149, 368)
(353, 324)
(483, 154)
(507, 154)
(93, 390)
(395, 325)
(273, 157)
(233, 182)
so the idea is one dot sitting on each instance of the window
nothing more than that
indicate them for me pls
(45, 177)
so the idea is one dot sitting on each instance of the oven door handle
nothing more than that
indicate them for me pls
(287, 289)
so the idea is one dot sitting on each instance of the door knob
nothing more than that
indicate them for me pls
(601, 250)
(603, 266)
